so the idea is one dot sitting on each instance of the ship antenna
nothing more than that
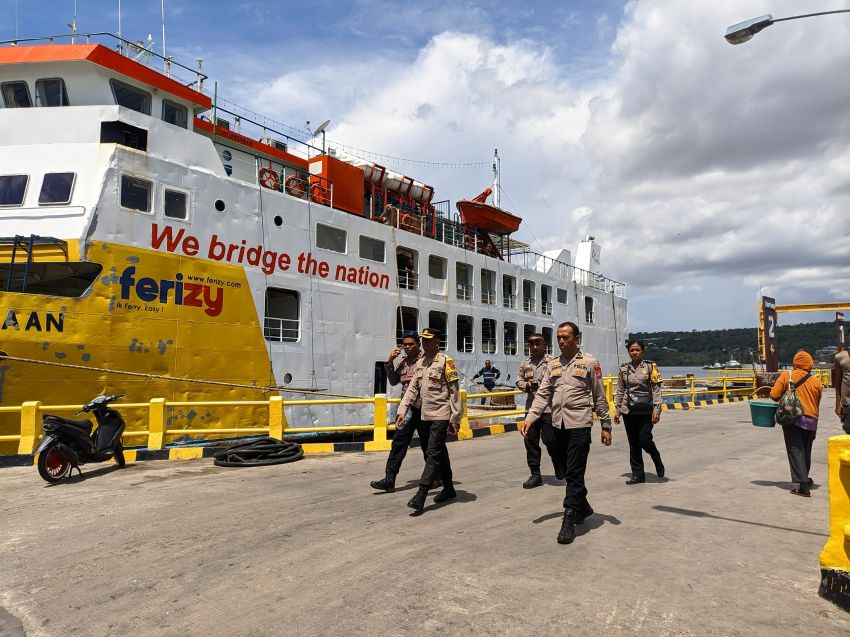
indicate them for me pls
(73, 24)
(120, 43)
(496, 170)
(162, 13)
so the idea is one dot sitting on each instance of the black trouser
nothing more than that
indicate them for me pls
(571, 447)
(798, 444)
(401, 440)
(437, 463)
(639, 432)
(542, 428)
(845, 419)
(488, 388)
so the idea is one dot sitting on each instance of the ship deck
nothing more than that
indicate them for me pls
(184, 547)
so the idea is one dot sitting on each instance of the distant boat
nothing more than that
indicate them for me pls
(714, 365)
(732, 364)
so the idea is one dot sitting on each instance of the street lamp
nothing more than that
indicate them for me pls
(743, 31)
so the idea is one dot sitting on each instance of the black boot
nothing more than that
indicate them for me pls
(585, 513)
(635, 480)
(533, 481)
(438, 484)
(568, 528)
(659, 467)
(417, 502)
(448, 493)
(387, 484)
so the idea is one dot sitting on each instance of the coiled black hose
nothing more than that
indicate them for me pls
(258, 453)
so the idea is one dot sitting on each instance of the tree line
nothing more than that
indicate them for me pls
(704, 347)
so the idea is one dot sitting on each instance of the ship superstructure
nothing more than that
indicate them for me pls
(148, 227)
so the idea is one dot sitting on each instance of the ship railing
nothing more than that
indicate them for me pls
(546, 308)
(488, 297)
(140, 51)
(467, 345)
(151, 427)
(488, 346)
(565, 272)
(408, 280)
(529, 305)
(280, 329)
(510, 348)
(464, 292)
(509, 301)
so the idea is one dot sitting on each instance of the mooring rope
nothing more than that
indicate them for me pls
(219, 383)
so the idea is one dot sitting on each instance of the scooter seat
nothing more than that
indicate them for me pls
(83, 424)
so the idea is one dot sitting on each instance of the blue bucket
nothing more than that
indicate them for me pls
(763, 413)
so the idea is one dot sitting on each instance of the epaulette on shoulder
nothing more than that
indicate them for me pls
(648, 362)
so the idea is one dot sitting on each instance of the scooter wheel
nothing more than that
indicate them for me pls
(53, 466)
(119, 455)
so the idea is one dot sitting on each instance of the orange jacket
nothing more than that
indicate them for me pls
(809, 392)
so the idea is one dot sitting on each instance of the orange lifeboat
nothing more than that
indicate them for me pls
(485, 217)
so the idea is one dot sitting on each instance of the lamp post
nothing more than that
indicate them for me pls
(743, 31)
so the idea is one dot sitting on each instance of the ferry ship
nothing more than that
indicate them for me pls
(148, 226)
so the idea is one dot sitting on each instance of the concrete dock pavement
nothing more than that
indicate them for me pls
(719, 547)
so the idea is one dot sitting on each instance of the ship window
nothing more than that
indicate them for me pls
(406, 262)
(16, 94)
(372, 249)
(406, 320)
(174, 113)
(437, 267)
(465, 334)
(56, 188)
(12, 189)
(463, 275)
(562, 296)
(330, 238)
(69, 279)
(588, 310)
(131, 97)
(527, 331)
(547, 339)
(488, 287)
(488, 336)
(51, 92)
(282, 319)
(119, 132)
(529, 303)
(438, 321)
(175, 204)
(546, 299)
(510, 338)
(509, 292)
(136, 193)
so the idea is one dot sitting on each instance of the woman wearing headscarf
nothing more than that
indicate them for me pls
(800, 435)
(638, 400)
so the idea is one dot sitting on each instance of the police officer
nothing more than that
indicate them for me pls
(841, 382)
(638, 399)
(529, 375)
(435, 384)
(403, 373)
(572, 386)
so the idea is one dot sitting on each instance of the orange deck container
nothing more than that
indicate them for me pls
(346, 180)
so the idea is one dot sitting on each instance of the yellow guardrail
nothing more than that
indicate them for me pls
(835, 557)
(157, 431)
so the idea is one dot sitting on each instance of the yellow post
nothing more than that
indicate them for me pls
(465, 431)
(608, 381)
(724, 388)
(156, 423)
(379, 426)
(693, 389)
(835, 557)
(277, 419)
(30, 426)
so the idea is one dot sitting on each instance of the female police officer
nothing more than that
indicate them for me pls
(638, 399)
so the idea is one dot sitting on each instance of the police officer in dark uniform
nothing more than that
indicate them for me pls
(529, 375)
(403, 373)
(572, 387)
(638, 399)
(435, 384)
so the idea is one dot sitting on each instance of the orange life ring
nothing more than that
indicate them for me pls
(268, 179)
(318, 194)
(295, 186)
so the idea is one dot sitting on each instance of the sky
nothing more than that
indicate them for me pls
(710, 174)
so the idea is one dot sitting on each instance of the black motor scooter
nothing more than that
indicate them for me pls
(69, 443)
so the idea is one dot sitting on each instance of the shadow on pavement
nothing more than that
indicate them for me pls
(703, 514)
(593, 522)
(462, 497)
(785, 486)
(75, 478)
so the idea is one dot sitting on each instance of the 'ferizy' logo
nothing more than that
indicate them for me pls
(191, 294)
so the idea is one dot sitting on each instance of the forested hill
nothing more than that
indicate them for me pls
(696, 348)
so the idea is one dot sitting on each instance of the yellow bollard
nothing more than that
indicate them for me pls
(379, 426)
(465, 431)
(156, 423)
(30, 426)
(725, 396)
(835, 557)
(608, 381)
(693, 389)
(277, 418)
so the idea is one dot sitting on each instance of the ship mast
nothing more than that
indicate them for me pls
(496, 169)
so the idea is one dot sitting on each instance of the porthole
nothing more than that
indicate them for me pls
(287, 378)
(226, 155)
(278, 221)
(219, 205)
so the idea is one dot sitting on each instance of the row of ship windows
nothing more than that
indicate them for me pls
(56, 189)
(282, 323)
(51, 92)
